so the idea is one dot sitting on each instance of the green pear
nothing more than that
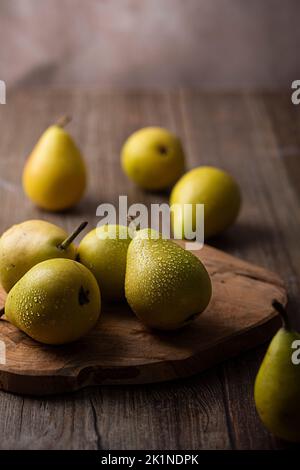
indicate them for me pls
(277, 385)
(165, 285)
(214, 188)
(30, 242)
(55, 175)
(55, 302)
(104, 252)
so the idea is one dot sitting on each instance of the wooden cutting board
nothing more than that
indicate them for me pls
(120, 350)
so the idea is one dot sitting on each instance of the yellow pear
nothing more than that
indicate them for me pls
(277, 385)
(104, 252)
(153, 158)
(55, 302)
(214, 188)
(54, 176)
(30, 242)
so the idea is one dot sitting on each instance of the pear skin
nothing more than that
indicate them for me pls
(54, 176)
(165, 285)
(55, 302)
(153, 158)
(27, 244)
(214, 188)
(104, 252)
(277, 387)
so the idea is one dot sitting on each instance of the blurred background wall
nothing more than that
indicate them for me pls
(150, 43)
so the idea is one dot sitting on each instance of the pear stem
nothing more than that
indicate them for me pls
(2, 312)
(130, 219)
(67, 242)
(283, 313)
(63, 121)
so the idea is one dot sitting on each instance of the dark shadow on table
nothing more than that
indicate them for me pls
(242, 236)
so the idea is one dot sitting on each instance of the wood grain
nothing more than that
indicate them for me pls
(120, 350)
(250, 135)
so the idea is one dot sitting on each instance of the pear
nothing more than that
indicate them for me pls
(54, 176)
(104, 252)
(214, 188)
(153, 158)
(30, 242)
(277, 385)
(165, 285)
(55, 302)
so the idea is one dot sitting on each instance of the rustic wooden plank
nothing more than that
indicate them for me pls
(284, 124)
(101, 123)
(179, 415)
(234, 132)
(62, 423)
(240, 133)
(132, 112)
(284, 119)
(28, 423)
(272, 196)
(121, 350)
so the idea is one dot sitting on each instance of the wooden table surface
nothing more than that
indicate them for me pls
(256, 137)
